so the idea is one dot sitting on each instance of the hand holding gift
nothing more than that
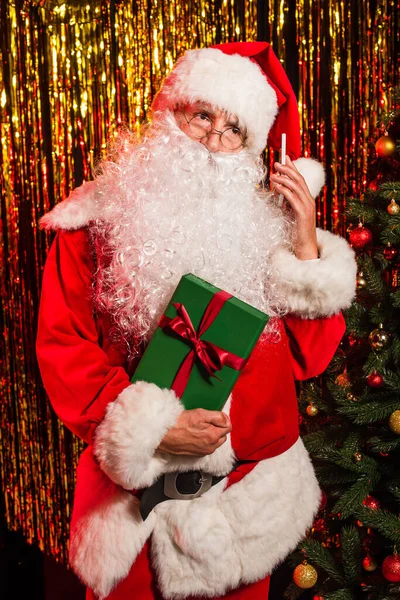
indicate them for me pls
(198, 432)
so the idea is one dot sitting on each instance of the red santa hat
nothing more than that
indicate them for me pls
(248, 80)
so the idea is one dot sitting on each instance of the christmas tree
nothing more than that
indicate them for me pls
(351, 415)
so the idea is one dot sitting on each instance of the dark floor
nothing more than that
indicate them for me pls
(26, 573)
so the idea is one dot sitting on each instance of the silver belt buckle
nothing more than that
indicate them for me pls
(171, 491)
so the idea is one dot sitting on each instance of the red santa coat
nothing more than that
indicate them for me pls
(242, 528)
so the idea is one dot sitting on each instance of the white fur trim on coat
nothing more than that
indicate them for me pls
(107, 532)
(125, 442)
(226, 538)
(321, 288)
(200, 547)
(74, 212)
(230, 82)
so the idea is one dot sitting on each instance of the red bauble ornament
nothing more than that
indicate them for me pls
(369, 563)
(385, 146)
(371, 502)
(391, 568)
(375, 379)
(373, 185)
(359, 523)
(360, 237)
(352, 340)
(324, 500)
(389, 252)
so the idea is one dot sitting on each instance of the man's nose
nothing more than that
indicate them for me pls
(212, 141)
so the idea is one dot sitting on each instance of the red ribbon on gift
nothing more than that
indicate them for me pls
(212, 357)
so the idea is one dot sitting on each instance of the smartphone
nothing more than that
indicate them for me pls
(283, 162)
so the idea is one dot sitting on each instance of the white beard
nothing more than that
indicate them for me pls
(167, 207)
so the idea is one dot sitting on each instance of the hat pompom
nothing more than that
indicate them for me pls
(313, 173)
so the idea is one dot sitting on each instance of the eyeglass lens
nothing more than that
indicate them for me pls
(200, 125)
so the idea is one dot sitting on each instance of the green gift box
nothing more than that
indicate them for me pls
(201, 344)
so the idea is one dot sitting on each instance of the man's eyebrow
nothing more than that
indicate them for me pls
(231, 120)
(202, 106)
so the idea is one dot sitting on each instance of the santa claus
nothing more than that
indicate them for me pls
(188, 197)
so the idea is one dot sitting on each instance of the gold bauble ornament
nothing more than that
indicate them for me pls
(305, 576)
(385, 146)
(343, 380)
(312, 410)
(393, 208)
(361, 282)
(378, 338)
(394, 422)
(357, 457)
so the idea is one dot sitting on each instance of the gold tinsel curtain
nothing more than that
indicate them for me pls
(72, 72)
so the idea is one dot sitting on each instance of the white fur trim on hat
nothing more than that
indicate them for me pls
(321, 288)
(230, 82)
(313, 173)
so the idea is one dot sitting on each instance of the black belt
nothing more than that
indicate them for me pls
(180, 486)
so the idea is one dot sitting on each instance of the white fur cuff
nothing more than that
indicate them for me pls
(315, 289)
(135, 423)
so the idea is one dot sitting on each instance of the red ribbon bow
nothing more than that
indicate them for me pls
(212, 357)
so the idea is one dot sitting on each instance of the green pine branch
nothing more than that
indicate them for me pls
(380, 592)
(322, 443)
(376, 360)
(322, 557)
(293, 592)
(392, 382)
(353, 497)
(355, 210)
(333, 475)
(394, 488)
(391, 230)
(337, 363)
(389, 190)
(379, 313)
(368, 465)
(376, 286)
(351, 554)
(342, 594)
(352, 443)
(385, 522)
(385, 442)
(370, 412)
(395, 350)
(396, 298)
(357, 321)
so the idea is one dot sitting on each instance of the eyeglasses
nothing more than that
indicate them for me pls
(200, 126)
